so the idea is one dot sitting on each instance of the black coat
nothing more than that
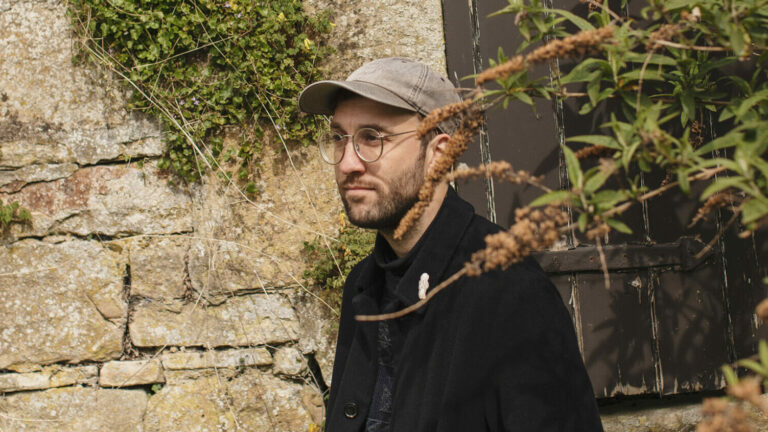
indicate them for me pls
(490, 353)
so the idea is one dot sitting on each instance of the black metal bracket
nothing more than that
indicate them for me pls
(680, 254)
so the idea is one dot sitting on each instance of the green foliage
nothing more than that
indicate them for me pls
(676, 102)
(13, 213)
(328, 272)
(207, 66)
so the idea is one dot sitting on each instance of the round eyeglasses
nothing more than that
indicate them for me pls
(367, 142)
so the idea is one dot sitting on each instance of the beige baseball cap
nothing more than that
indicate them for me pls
(395, 81)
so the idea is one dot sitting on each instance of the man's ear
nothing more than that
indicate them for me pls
(435, 149)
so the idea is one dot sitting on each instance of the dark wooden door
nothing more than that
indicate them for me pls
(666, 324)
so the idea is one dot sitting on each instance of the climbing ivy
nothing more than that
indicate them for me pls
(12, 213)
(328, 267)
(207, 67)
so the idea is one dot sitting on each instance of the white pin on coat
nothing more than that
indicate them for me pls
(423, 285)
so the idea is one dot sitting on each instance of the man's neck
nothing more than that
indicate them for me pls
(403, 245)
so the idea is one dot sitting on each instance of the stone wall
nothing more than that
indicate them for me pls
(131, 304)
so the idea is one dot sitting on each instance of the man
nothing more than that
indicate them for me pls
(490, 353)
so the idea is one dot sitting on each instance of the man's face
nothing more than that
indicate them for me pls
(378, 194)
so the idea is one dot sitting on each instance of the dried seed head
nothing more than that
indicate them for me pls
(577, 44)
(717, 200)
(435, 117)
(746, 389)
(598, 231)
(471, 120)
(533, 230)
(712, 406)
(595, 150)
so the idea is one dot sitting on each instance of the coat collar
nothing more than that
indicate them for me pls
(441, 240)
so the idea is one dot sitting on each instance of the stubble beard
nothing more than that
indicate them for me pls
(386, 213)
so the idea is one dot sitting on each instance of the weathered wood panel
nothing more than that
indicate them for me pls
(661, 328)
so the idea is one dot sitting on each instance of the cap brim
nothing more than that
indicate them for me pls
(320, 97)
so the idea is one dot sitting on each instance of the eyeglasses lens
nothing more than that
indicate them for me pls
(367, 142)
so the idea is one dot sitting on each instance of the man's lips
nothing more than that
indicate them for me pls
(357, 187)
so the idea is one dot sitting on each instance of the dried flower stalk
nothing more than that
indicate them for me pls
(533, 230)
(570, 46)
(499, 170)
(471, 121)
(717, 200)
(433, 119)
(595, 150)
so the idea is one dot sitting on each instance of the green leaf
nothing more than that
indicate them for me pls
(553, 196)
(596, 180)
(730, 375)
(579, 22)
(753, 366)
(689, 107)
(601, 140)
(682, 178)
(608, 197)
(574, 169)
(618, 226)
(586, 71)
(721, 183)
(728, 140)
(656, 59)
(762, 352)
(751, 101)
(753, 209)
(647, 75)
(582, 222)
(593, 89)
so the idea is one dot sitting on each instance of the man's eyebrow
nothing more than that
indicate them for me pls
(376, 126)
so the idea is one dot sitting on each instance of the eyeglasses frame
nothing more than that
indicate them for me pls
(355, 146)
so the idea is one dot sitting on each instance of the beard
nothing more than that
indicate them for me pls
(387, 211)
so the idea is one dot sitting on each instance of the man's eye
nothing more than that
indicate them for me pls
(337, 137)
(368, 136)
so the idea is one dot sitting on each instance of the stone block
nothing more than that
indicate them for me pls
(52, 376)
(290, 362)
(73, 409)
(112, 200)
(131, 373)
(247, 320)
(13, 382)
(256, 244)
(11, 180)
(666, 416)
(319, 330)
(60, 302)
(158, 267)
(252, 401)
(64, 376)
(216, 359)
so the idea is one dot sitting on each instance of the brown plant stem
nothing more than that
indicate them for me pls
(703, 175)
(402, 312)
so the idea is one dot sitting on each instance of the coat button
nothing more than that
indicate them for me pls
(350, 410)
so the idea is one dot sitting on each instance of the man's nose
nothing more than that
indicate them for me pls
(350, 161)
